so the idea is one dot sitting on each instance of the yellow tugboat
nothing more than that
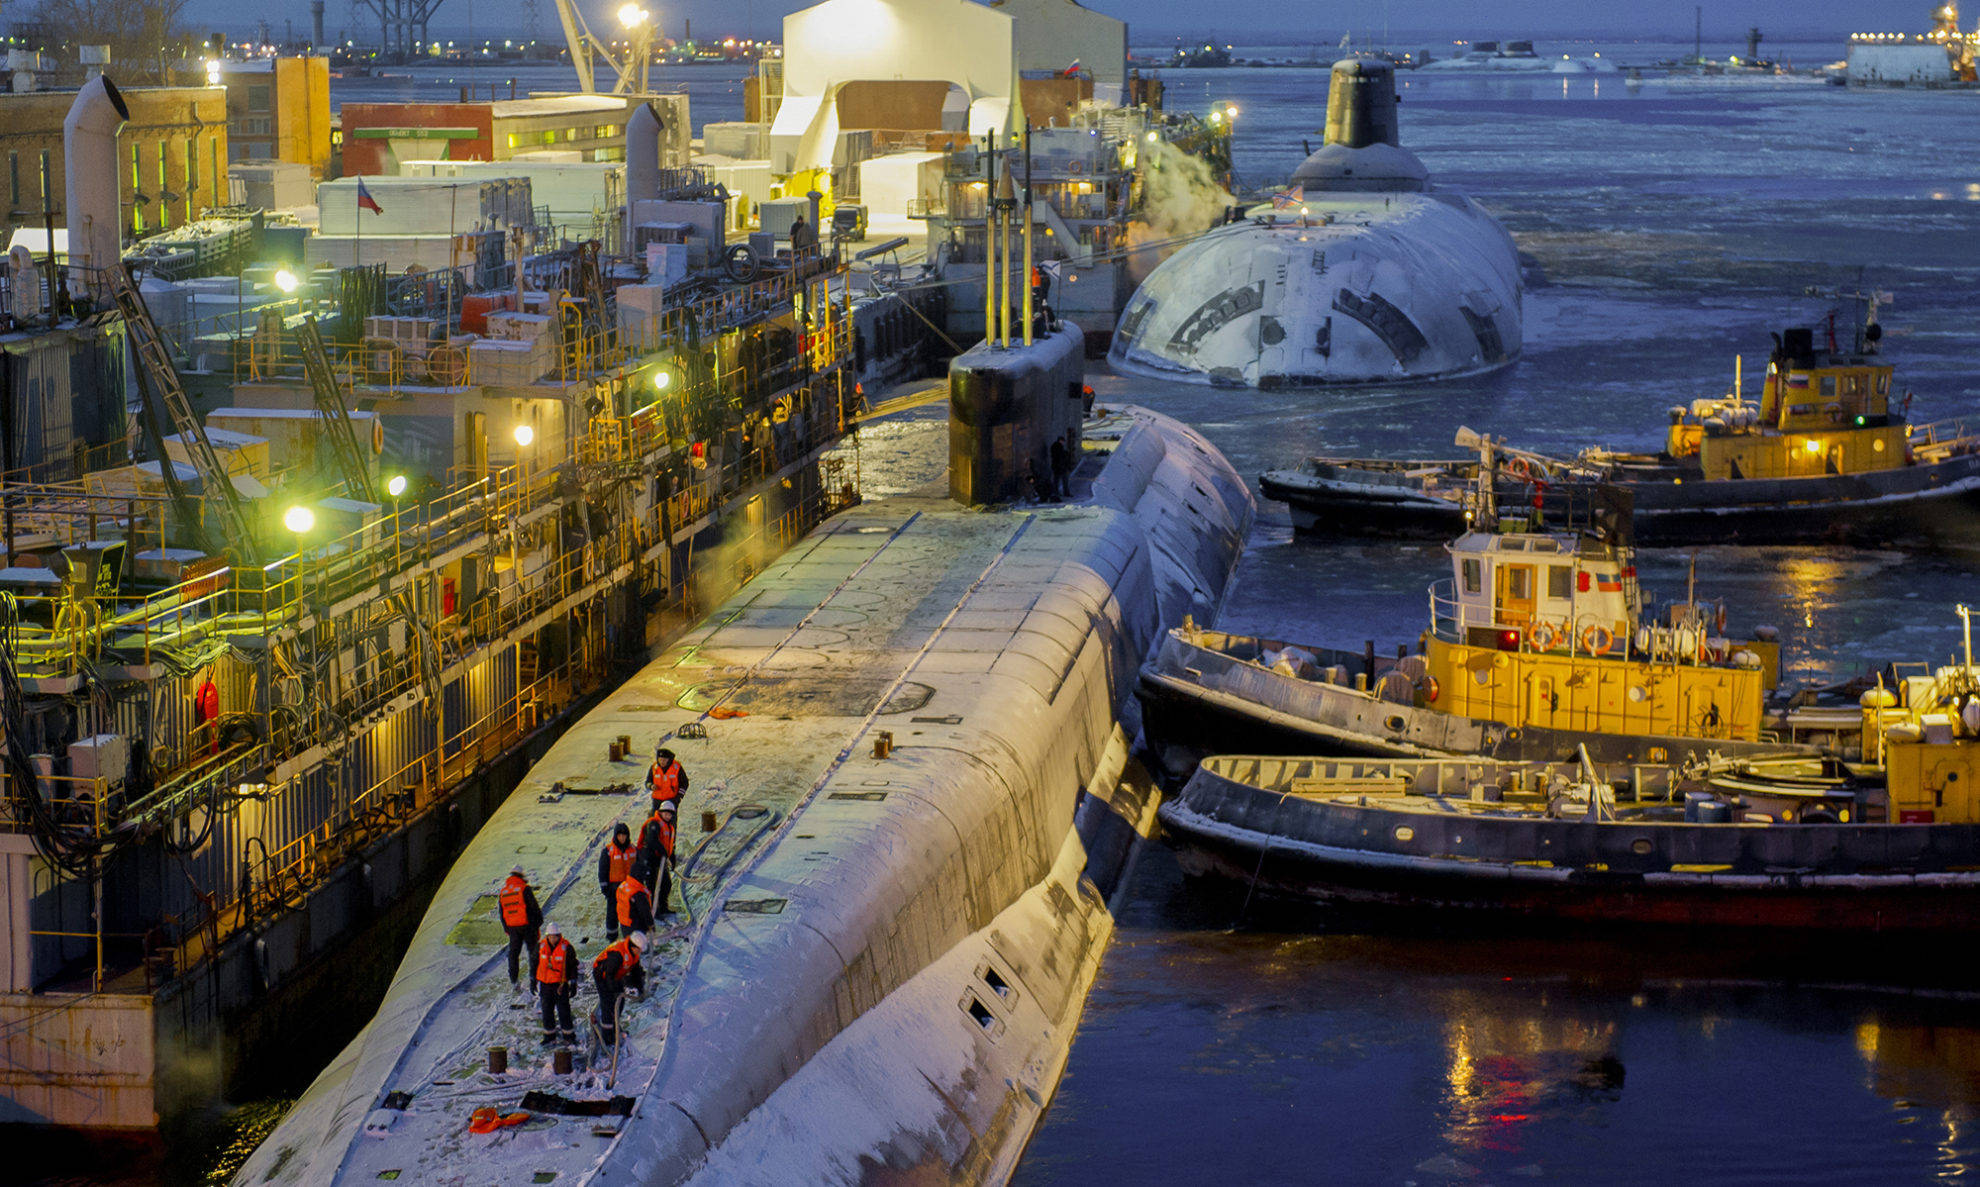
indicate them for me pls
(1540, 643)
(1825, 454)
(1551, 630)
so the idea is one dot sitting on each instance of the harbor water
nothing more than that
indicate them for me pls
(1666, 227)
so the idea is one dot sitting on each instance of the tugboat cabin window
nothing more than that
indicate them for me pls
(1560, 581)
(1828, 385)
(1518, 583)
(1471, 578)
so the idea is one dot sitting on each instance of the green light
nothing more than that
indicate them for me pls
(1861, 421)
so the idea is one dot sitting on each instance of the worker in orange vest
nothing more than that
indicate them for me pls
(666, 779)
(556, 981)
(520, 918)
(656, 853)
(615, 861)
(635, 905)
(614, 971)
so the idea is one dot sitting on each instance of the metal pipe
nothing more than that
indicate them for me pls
(92, 179)
(643, 129)
(990, 248)
(1028, 273)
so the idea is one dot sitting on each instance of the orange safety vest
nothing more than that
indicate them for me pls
(667, 830)
(627, 889)
(553, 963)
(624, 948)
(515, 913)
(665, 783)
(618, 861)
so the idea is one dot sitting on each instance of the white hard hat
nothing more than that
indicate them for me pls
(666, 806)
(639, 940)
(551, 929)
(517, 870)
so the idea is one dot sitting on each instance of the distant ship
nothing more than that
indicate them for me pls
(1515, 56)
(1361, 271)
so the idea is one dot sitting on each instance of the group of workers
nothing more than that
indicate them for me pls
(636, 879)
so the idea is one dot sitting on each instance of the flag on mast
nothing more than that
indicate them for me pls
(366, 201)
(1288, 198)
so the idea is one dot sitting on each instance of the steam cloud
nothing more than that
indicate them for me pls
(1180, 200)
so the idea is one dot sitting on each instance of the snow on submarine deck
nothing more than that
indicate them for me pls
(882, 959)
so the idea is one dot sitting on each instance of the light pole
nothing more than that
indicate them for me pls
(525, 436)
(637, 23)
(395, 487)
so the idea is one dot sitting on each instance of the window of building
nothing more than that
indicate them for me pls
(550, 137)
(1471, 576)
(603, 131)
(513, 138)
(1560, 581)
(164, 188)
(258, 98)
(45, 200)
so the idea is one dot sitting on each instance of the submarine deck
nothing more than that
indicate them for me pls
(788, 681)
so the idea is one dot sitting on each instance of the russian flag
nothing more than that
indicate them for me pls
(1289, 198)
(366, 201)
(1608, 584)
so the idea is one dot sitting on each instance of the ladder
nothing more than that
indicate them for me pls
(158, 382)
(329, 395)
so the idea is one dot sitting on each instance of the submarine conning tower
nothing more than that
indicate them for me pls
(1363, 149)
(1007, 408)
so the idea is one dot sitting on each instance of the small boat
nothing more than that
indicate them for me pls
(1786, 845)
(1825, 455)
(1541, 643)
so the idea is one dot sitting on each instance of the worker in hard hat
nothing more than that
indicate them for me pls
(666, 779)
(615, 861)
(614, 971)
(521, 917)
(556, 981)
(656, 854)
(635, 904)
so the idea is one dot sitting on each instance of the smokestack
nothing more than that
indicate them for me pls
(316, 23)
(642, 163)
(1361, 103)
(89, 144)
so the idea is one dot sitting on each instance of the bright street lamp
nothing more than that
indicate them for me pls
(396, 485)
(525, 435)
(286, 280)
(299, 519)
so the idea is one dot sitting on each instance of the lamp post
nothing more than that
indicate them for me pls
(638, 25)
(525, 436)
(395, 487)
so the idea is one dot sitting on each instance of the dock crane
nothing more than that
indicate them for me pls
(165, 402)
(630, 69)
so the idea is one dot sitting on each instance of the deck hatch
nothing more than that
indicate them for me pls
(869, 796)
(756, 906)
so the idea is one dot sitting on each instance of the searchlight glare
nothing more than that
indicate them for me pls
(299, 520)
(286, 280)
(396, 486)
(632, 15)
(525, 435)
(662, 380)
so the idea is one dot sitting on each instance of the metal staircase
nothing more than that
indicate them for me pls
(329, 395)
(158, 381)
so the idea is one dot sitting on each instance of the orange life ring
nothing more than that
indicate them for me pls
(1075, 166)
(1542, 636)
(1430, 689)
(1520, 468)
(1597, 639)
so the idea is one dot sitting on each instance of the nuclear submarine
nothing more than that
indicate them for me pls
(1361, 271)
(912, 792)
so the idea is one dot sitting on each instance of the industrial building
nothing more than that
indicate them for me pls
(378, 138)
(278, 109)
(172, 157)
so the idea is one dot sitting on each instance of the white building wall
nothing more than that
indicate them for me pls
(1899, 63)
(1052, 34)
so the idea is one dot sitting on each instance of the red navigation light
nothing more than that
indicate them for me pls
(1581, 582)
(1508, 640)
